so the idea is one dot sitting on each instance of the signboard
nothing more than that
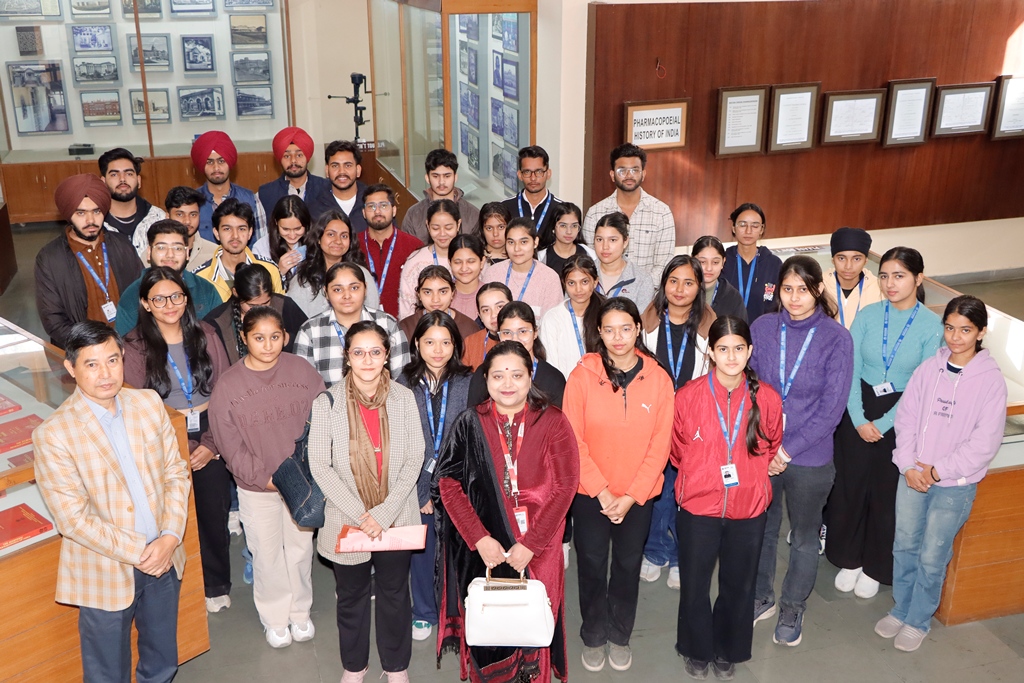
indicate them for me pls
(658, 125)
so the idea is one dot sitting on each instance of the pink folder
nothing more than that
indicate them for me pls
(352, 540)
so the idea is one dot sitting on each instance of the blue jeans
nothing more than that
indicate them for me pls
(421, 577)
(661, 547)
(926, 524)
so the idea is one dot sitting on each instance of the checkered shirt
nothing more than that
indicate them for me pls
(318, 342)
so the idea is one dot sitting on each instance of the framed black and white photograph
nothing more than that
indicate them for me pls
(510, 125)
(497, 117)
(794, 117)
(463, 98)
(463, 22)
(741, 116)
(496, 25)
(472, 66)
(496, 172)
(473, 26)
(96, 70)
(250, 67)
(148, 9)
(159, 105)
(202, 102)
(497, 79)
(156, 52)
(22, 9)
(89, 38)
(909, 105)
(1009, 121)
(473, 115)
(85, 9)
(254, 102)
(197, 54)
(463, 138)
(248, 30)
(38, 97)
(510, 33)
(30, 41)
(510, 79)
(474, 153)
(962, 109)
(464, 58)
(193, 7)
(101, 107)
(853, 116)
(509, 167)
(248, 4)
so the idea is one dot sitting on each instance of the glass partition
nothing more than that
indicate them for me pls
(389, 122)
(424, 90)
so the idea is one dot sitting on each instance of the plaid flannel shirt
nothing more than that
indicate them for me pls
(318, 342)
(652, 232)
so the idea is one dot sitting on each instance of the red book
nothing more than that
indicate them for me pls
(8, 406)
(23, 459)
(18, 433)
(21, 522)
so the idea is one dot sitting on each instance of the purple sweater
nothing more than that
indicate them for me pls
(954, 422)
(818, 396)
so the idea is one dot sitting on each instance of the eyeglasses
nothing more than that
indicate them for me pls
(359, 354)
(623, 330)
(567, 226)
(164, 248)
(743, 225)
(177, 299)
(534, 174)
(627, 172)
(522, 334)
(374, 206)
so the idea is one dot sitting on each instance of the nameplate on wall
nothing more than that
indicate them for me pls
(658, 125)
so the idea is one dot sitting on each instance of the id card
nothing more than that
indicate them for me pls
(884, 389)
(730, 477)
(110, 310)
(192, 422)
(430, 465)
(522, 519)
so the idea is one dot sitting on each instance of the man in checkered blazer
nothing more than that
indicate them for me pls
(108, 467)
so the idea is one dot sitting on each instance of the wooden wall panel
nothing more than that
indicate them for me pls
(845, 44)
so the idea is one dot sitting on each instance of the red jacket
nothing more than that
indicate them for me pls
(699, 450)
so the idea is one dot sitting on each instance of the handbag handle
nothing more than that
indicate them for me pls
(505, 584)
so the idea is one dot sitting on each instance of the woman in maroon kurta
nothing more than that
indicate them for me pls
(474, 492)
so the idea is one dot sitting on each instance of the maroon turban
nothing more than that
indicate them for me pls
(73, 190)
(213, 141)
(293, 135)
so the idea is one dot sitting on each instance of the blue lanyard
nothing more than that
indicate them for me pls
(436, 435)
(784, 384)
(508, 276)
(433, 252)
(337, 331)
(185, 388)
(745, 291)
(104, 286)
(547, 205)
(714, 295)
(886, 358)
(839, 298)
(721, 418)
(533, 374)
(575, 328)
(677, 365)
(387, 261)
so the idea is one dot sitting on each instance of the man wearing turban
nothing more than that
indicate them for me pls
(80, 274)
(214, 155)
(850, 284)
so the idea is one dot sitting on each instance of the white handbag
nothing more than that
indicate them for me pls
(508, 613)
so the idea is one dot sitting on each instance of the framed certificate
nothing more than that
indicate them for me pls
(962, 109)
(741, 117)
(853, 116)
(794, 117)
(906, 118)
(1009, 121)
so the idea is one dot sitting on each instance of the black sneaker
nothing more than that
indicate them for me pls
(696, 668)
(724, 671)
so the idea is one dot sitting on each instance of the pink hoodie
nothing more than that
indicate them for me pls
(954, 422)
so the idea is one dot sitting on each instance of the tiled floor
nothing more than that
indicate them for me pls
(838, 643)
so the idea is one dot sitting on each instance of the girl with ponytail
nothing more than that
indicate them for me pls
(726, 432)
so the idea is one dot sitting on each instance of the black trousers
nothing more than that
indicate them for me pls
(608, 603)
(724, 632)
(212, 486)
(393, 611)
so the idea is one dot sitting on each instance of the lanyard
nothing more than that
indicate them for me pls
(784, 384)
(714, 295)
(341, 337)
(508, 276)
(511, 479)
(106, 271)
(387, 261)
(721, 419)
(533, 374)
(433, 252)
(547, 205)
(886, 358)
(487, 338)
(839, 298)
(185, 388)
(677, 365)
(575, 328)
(745, 291)
(436, 435)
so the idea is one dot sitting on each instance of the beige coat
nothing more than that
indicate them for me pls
(857, 300)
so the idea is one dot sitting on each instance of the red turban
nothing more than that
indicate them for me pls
(73, 190)
(213, 141)
(293, 135)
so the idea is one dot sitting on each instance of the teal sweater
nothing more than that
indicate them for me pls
(205, 298)
(922, 341)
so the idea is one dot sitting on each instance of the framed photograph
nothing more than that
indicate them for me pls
(853, 116)
(250, 67)
(38, 97)
(510, 125)
(196, 7)
(101, 107)
(497, 117)
(658, 124)
(463, 98)
(248, 30)
(510, 33)
(497, 79)
(90, 8)
(497, 26)
(741, 117)
(794, 117)
(509, 168)
(463, 23)
(88, 38)
(96, 70)
(464, 58)
(510, 79)
(474, 110)
(254, 102)
(962, 109)
(474, 153)
(197, 52)
(906, 116)
(463, 138)
(21, 9)
(496, 171)
(148, 9)
(30, 41)
(155, 53)
(472, 66)
(248, 4)
(202, 102)
(473, 26)
(1009, 121)
(159, 106)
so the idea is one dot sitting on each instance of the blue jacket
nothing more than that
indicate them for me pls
(324, 202)
(206, 211)
(271, 193)
(762, 297)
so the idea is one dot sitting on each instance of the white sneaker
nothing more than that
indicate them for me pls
(673, 578)
(234, 523)
(846, 579)
(565, 554)
(302, 632)
(421, 629)
(279, 637)
(649, 571)
(218, 603)
(866, 587)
